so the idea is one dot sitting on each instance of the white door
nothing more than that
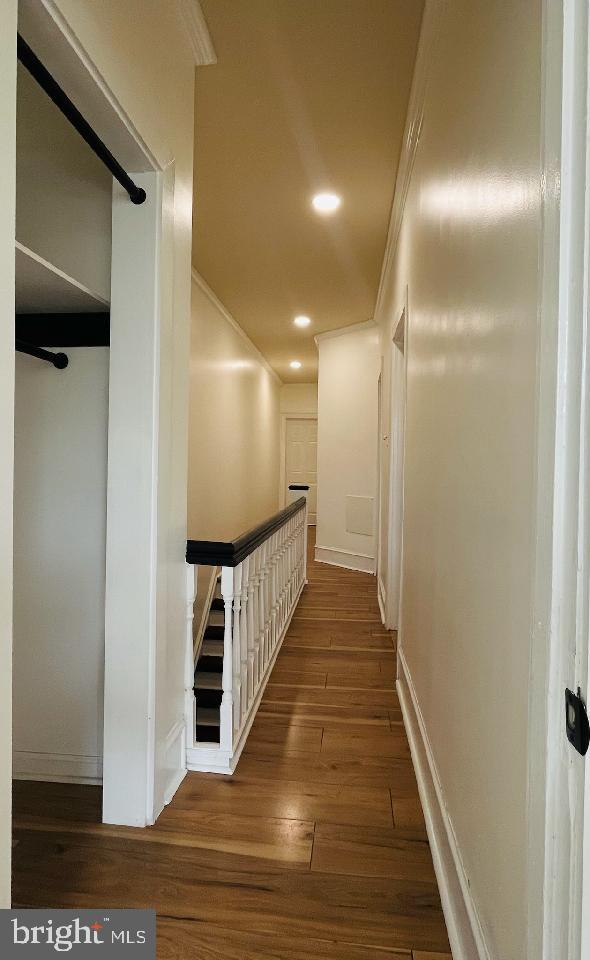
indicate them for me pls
(301, 457)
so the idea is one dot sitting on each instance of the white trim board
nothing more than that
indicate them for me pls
(56, 767)
(337, 557)
(199, 38)
(204, 286)
(463, 925)
(429, 33)
(381, 599)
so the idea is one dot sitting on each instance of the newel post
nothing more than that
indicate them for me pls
(305, 542)
(227, 699)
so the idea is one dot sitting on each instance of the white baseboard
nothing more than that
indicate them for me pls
(56, 767)
(463, 924)
(345, 558)
(175, 758)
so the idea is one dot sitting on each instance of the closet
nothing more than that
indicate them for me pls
(63, 261)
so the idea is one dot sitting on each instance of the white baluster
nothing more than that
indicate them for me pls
(267, 599)
(236, 647)
(261, 616)
(189, 667)
(304, 544)
(244, 641)
(249, 564)
(226, 708)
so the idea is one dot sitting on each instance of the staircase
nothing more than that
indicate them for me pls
(208, 673)
(263, 572)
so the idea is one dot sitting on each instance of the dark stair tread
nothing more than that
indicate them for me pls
(207, 698)
(218, 604)
(214, 632)
(207, 734)
(209, 664)
(208, 716)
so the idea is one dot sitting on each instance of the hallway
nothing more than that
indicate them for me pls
(315, 848)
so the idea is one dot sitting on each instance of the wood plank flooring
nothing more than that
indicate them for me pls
(314, 850)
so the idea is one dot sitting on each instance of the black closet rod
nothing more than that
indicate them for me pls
(63, 102)
(58, 360)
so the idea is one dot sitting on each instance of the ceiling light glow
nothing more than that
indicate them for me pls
(326, 202)
(302, 321)
(295, 364)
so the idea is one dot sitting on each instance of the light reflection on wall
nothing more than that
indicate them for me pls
(489, 198)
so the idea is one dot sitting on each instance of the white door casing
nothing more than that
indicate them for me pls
(396, 470)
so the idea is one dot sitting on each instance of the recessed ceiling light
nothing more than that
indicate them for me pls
(302, 321)
(295, 364)
(326, 202)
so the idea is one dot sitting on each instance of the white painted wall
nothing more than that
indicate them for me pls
(299, 398)
(233, 427)
(64, 192)
(7, 220)
(468, 251)
(347, 444)
(59, 564)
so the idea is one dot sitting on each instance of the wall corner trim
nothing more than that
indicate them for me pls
(461, 915)
(204, 286)
(197, 31)
(342, 331)
(429, 33)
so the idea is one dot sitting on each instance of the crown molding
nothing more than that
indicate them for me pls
(342, 331)
(429, 34)
(204, 286)
(197, 31)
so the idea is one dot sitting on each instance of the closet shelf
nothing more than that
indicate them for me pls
(41, 287)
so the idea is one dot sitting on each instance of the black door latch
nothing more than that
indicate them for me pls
(577, 727)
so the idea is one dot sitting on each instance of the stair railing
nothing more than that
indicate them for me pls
(262, 575)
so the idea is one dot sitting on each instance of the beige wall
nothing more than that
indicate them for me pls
(233, 427)
(468, 252)
(347, 444)
(299, 398)
(7, 220)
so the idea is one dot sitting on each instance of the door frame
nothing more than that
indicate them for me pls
(283, 453)
(558, 869)
(397, 435)
(7, 232)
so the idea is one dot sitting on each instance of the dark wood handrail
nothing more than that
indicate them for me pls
(217, 553)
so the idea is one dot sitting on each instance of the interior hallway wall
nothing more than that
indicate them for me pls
(468, 251)
(233, 426)
(347, 447)
(299, 398)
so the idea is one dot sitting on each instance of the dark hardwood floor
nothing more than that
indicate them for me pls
(315, 848)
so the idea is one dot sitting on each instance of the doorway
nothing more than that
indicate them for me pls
(396, 472)
(299, 459)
